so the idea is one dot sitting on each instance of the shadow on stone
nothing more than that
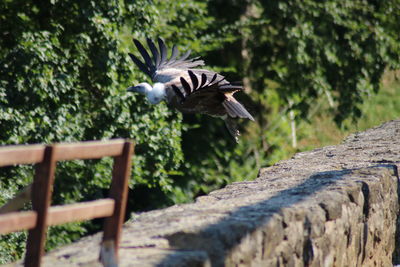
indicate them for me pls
(220, 239)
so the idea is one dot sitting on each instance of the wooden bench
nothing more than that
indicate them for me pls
(40, 191)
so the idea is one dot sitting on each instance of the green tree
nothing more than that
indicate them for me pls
(63, 75)
(289, 54)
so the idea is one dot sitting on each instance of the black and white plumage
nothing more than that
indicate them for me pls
(183, 85)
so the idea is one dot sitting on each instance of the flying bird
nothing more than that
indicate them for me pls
(181, 82)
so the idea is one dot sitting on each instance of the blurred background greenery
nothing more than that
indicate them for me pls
(314, 71)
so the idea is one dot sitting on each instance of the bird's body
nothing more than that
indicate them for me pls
(186, 87)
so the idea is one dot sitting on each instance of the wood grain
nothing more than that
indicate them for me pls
(89, 150)
(119, 192)
(21, 154)
(42, 189)
(81, 211)
(17, 221)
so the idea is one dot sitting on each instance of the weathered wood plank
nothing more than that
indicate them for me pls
(81, 211)
(41, 198)
(24, 220)
(119, 192)
(30, 154)
(21, 154)
(89, 150)
(17, 221)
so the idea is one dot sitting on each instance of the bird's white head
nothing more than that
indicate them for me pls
(154, 94)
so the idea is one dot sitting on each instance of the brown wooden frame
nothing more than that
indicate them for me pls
(43, 215)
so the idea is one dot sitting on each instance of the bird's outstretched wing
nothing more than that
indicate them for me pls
(157, 61)
(213, 97)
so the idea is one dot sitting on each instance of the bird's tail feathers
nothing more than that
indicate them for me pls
(235, 109)
(232, 127)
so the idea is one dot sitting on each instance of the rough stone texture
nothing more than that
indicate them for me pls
(333, 206)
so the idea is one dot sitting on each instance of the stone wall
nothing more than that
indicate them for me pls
(333, 206)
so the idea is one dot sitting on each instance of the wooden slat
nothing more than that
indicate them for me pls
(21, 154)
(24, 220)
(89, 150)
(42, 189)
(119, 192)
(17, 221)
(29, 154)
(81, 211)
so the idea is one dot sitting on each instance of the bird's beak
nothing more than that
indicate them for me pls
(132, 89)
(136, 89)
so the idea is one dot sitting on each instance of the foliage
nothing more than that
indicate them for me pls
(290, 54)
(376, 109)
(64, 69)
(339, 48)
(63, 76)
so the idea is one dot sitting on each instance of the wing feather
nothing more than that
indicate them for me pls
(195, 81)
(203, 79)
(185, 86)
(235, 109)
(140, 64)
(145, 55)
(214, 78)
(163, 50)
(231, 88)
(186, 55)
(159, 60)
(154, 51)
(178, 92)
(174, 54)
